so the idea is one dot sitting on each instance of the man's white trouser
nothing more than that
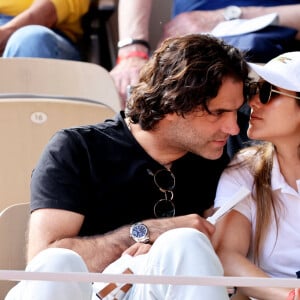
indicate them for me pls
(183, 251)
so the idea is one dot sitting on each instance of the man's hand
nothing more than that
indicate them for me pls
(126, 73)
(294, 295)
(159, 226)
(137, 249)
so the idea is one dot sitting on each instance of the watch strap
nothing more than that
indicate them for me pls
(130, 41)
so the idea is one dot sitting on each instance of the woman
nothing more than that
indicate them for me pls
(261, 236)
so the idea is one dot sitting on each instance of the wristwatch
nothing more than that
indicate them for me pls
(139, 232)
(232, 12)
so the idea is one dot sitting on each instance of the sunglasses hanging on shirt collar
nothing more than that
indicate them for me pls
(164, 179)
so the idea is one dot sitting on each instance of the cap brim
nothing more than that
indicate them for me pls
(274, 77)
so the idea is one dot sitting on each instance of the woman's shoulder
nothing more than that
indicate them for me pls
(244, 156)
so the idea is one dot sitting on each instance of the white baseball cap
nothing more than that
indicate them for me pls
(282, 71)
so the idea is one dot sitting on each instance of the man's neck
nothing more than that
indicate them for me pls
(154, 144)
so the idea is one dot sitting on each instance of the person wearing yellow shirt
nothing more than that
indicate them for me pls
(41, 28)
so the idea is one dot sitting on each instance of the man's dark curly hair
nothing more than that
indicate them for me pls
(183, 74)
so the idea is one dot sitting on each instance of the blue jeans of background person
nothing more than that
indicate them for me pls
(38, 41)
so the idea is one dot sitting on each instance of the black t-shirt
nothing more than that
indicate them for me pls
(101, 172)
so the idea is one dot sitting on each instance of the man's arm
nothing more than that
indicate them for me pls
(205, 21)
(133, 19)
(41, 12)
(289, 15)
(60, 228)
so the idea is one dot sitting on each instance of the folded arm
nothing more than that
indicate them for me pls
(60, 228)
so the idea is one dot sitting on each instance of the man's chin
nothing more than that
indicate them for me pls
(213, 154)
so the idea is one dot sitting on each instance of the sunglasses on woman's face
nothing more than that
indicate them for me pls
(264, 89)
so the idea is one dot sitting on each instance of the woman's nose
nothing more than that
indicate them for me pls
(254, 101)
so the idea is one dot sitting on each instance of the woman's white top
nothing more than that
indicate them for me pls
(280, 256)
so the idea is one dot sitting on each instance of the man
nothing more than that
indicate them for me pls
(41, 28)
(149, 176)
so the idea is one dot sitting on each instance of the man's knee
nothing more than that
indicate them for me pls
(53, 260)
(184, 239)
(188, 249)
(57, 260)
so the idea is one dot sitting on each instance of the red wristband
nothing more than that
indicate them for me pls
(140, 54)
(291, 295)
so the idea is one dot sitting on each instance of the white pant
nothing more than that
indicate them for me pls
(183, 251)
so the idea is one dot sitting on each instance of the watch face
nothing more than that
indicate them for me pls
(232, 12)
(139, 232)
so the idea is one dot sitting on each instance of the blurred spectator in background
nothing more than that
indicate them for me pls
(41, 28)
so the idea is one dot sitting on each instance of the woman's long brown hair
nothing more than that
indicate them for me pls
(261, 164)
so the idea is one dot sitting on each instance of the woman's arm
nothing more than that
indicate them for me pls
(232, 241)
